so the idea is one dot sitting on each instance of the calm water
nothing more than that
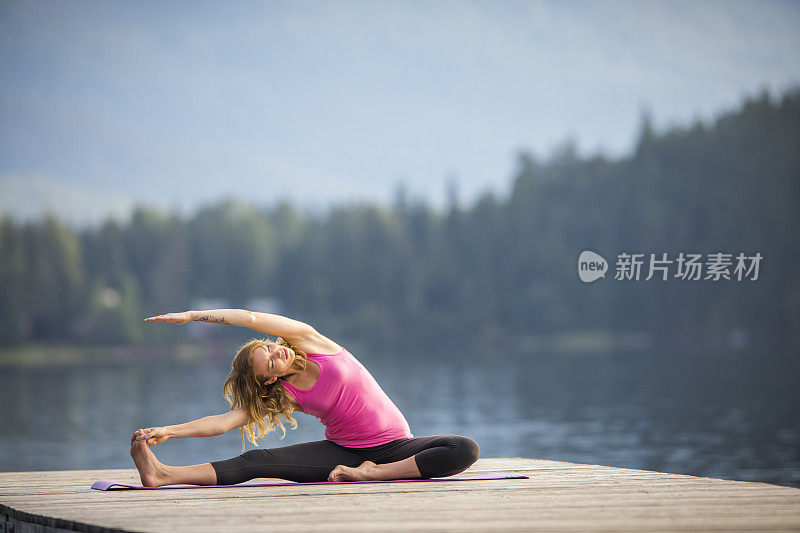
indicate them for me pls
(732, 415)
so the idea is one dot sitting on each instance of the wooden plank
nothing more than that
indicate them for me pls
(558, 496)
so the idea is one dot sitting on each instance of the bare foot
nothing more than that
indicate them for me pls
(366, 471)
(151, 471)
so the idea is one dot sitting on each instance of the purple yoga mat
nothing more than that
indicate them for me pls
(113, 485)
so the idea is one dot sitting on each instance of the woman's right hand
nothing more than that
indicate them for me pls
(172, 318)
(152, 436)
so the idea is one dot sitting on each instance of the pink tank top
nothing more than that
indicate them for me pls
(350, 403)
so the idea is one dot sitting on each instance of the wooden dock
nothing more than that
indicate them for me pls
(557, 497)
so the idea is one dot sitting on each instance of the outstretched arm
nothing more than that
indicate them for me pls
(289, 329)
(209, 426)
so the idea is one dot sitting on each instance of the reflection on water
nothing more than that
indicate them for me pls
(731, 415)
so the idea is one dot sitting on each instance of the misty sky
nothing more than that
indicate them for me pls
(104, 103)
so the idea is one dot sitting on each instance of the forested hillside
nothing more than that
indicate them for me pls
(499, 267)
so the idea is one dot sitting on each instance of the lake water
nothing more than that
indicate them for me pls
(732, 415)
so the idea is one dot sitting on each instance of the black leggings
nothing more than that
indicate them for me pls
(437, 456)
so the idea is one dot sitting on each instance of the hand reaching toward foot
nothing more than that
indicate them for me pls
(152, 436)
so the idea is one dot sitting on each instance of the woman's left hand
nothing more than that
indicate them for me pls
(172, 318)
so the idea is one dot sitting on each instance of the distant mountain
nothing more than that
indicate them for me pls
(27, 198)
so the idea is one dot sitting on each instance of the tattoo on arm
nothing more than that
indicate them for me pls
(213, 319)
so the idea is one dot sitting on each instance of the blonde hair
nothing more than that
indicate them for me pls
(242, 389)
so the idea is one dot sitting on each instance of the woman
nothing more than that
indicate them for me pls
(366, 435)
